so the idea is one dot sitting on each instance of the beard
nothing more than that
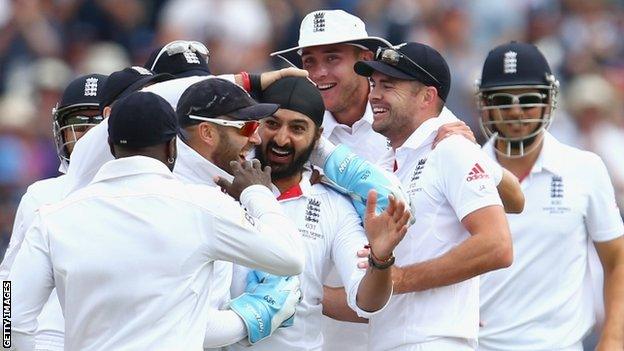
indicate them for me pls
(284, 170)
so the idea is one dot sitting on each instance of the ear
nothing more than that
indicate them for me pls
(208, 133)
(430, 97)
(107, 111)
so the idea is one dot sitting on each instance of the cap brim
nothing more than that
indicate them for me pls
(292, 57)
(193, 72)
(254, 112)
(366, 69)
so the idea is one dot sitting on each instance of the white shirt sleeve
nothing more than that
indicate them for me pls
(466, 183)
(225, 327)
(263, 238)
(603, 216)
(350, 238)
(23, 219)
(32, 282)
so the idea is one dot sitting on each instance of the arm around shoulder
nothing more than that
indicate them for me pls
(510, 192)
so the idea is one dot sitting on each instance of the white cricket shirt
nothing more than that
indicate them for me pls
(544, 300)
(131, 256)
(444, 184)
(332, 234)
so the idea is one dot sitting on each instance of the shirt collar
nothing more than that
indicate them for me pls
(192, 167)
(303, 189)
(424, 131)
(549, 158)
(129, 166)
(330, 123)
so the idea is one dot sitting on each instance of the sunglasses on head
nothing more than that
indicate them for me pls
(525, 100)
(395, 58)
(245, 128)
(181, 46)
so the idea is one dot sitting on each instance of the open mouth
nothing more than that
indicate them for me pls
(379, 110)
(280, 155)
(324, 87)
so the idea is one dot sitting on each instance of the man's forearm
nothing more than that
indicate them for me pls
(335, 306)
(510, 192)
(375, 289)
(614, 304)
(473, 257)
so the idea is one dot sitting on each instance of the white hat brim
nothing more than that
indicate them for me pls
(293, 58)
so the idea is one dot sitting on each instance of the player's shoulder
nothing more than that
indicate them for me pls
(580, 161)
(332, 197)
(456, 146)
(47, 190)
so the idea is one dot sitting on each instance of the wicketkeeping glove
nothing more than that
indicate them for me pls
(354, 176)
(268, 303)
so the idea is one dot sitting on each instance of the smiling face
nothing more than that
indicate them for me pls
(288, 138)
(232, 146)
(331, 68)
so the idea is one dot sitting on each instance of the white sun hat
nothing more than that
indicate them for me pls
(326, 27)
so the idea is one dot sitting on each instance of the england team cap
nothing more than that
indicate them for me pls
(410, 61)
(214, 97)
(325, 27)
(83, 91)
(182, 58)
(126, 81)
(142, 119)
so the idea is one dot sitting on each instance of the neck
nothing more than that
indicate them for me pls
(354, 111)
(402, 134)
(283, 184)
(519, 166)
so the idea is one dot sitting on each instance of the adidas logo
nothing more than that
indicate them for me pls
(477, 173)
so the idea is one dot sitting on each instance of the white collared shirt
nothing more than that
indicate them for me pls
(131, 256)
(360, 138)
(332, 234)
(445, 185)
(544, 300)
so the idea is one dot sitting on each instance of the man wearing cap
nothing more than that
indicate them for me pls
(460, 230)
(133, 269)
(74, 115)
(327, 222)
(545, 301)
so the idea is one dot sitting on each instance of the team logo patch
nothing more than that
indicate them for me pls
(91, 86)
(313, 211)
(190, 57)
(477, 172)
(556, 187)
(557, 205)
(510, 62)
(418, 170)
(319, 22)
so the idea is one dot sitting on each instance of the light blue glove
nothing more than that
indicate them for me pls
(269, 302)
(353, 175)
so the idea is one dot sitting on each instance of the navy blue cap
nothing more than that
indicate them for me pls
(515, 64)
(214, 97)
(81, 93)
(189, 62)
(124, 82)
(142, 119)
(427, 66)
(296, 94)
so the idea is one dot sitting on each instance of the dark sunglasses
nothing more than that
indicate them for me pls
(77, 119)
(525, 100)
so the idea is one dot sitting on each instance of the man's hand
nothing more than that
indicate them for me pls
(459, 128)
(246, 174)
(268, 78)
(385, 231)
(268, 303)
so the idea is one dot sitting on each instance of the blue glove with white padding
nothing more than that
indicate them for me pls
(352, 175)
(268, 303)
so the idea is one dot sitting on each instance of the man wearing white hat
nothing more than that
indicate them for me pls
(330, 43)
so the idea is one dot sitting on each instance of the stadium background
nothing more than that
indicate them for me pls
(45, 43)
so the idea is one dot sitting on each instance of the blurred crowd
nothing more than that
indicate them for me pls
(46, 43)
